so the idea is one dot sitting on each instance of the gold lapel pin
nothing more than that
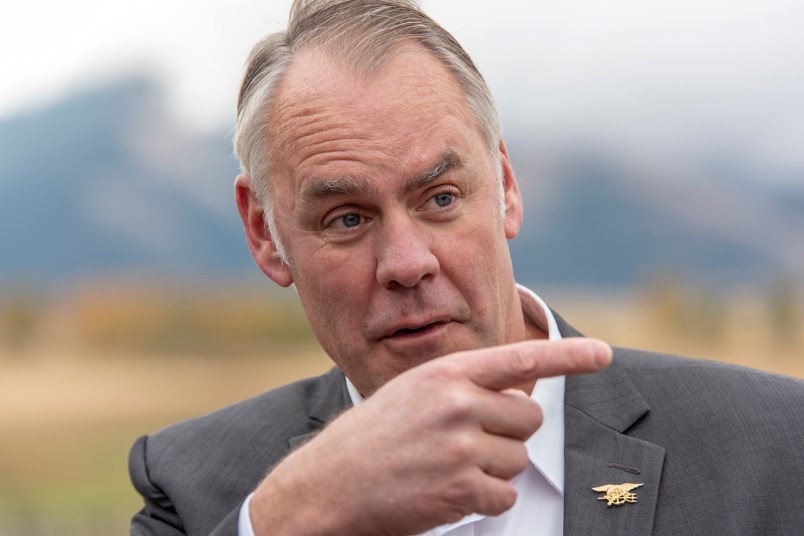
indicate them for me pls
(617, 494)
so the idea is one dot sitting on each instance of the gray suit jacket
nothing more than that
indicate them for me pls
(719, 450)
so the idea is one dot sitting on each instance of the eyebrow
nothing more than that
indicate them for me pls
(448, 160)
(314, 188)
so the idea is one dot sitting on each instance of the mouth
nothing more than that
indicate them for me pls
(408, 332)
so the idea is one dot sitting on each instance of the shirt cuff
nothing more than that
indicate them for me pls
(244, 527)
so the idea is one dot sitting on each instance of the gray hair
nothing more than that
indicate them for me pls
(364, 34)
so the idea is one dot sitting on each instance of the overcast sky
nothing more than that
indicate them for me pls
(682, 75)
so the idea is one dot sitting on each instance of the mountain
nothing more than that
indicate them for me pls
(591, 219)
(105, 182)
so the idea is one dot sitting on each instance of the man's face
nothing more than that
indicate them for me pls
(386, 201)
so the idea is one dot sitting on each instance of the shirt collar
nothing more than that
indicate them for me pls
(546, 446)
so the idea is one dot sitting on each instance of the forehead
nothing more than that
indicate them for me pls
(327, 112)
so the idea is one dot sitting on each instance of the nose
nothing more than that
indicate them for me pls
(404, 254)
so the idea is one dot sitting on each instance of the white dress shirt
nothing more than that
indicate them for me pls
(539, 508)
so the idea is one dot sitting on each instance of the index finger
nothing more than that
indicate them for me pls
(502, 367)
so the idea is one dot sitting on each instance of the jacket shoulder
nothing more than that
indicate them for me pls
(204, 467)
(283, 411)
(728, 407)
(701, 376)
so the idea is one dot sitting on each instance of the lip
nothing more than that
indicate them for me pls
(415, 329)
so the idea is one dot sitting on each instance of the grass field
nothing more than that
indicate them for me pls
(69, 413)
(68, 422)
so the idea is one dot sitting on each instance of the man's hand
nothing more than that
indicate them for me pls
(434, 444)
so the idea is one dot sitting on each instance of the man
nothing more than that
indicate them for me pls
(376, 181)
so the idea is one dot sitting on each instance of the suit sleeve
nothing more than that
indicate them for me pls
(158, 516)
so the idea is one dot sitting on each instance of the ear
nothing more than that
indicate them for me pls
(512, 197)
(260, 241)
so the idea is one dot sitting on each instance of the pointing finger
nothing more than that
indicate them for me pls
(502, 367)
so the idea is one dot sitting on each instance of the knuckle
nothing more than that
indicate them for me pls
(457, 404)
(461, 448)
(516, 460)
(442, 370)
(532, 418)
(521, 362)
(505, 500)
(499, 500)
(519, 459)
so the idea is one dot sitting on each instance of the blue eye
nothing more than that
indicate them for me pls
(443, 199)
(350, 220)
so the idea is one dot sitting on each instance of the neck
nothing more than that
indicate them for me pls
(532, 331)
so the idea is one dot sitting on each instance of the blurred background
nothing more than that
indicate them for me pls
(658, 146)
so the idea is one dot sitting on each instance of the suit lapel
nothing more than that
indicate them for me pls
(324, 406)
(599, 409)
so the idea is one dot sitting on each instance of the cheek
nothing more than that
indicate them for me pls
(479, 264)
(478, 246)
(474, 276)
(333, 293)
